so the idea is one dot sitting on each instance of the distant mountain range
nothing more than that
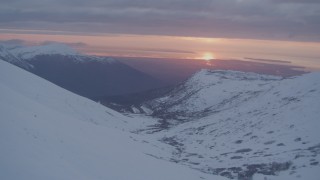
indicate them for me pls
(89, 76)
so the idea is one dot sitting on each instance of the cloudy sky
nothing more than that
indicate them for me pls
(287, 30)
(297, 20)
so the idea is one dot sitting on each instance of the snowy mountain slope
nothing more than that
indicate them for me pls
(241, 125)
(50, 133)
(209, 91)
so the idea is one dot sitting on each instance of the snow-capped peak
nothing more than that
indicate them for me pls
(6, 55)
(3, 51)
(49, 49)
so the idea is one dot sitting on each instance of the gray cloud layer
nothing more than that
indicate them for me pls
(261, 19)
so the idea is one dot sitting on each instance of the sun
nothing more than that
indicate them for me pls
(208, 56)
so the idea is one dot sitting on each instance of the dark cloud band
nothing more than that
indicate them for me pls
(257, 19)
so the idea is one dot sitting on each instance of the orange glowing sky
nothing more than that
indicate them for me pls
(299, 53)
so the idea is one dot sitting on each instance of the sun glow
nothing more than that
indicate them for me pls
(208, 56)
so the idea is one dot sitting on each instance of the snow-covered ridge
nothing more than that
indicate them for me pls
(28, 53)
(206, 75)
(212, 90)
(6, 55)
